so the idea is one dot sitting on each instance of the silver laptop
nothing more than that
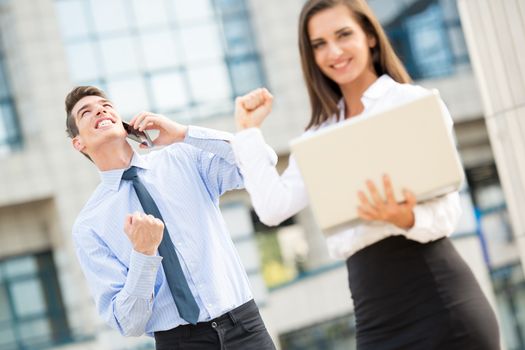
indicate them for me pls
(410, 142)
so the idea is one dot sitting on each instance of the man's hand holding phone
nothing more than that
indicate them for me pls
(138, 136)
(169, 130)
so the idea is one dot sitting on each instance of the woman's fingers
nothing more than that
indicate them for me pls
(365, 207)
(410, 198)
(376, 207)
(365, 215)
(389, 190)
(378, 202)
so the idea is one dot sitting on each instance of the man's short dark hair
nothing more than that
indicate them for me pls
(72, 98)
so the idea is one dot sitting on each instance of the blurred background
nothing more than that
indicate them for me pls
(188, 60)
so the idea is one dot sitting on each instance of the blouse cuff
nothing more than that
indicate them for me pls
(250, 148)
(422, 225)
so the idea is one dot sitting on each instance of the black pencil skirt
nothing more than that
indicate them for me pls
(409, 295)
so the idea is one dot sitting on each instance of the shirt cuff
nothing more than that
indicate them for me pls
(142, 274)
(212, 141)
(250, 148)
(198, 132)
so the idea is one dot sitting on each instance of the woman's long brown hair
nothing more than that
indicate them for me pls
(324, 93)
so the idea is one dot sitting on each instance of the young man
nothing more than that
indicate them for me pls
(151, 239)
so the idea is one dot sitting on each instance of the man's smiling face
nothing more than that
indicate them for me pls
(98, 123)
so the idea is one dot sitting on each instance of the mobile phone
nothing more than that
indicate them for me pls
(138, 136)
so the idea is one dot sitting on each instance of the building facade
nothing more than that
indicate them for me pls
(188, 60)
(495, 32)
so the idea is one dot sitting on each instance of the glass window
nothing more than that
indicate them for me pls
(7, 333)
(21, 266)
(5, 312)
(211, 109)
(9, 130)
(509, 287)
(110, 16)
(10, 133)
(238, 40)
(119, 55)
(245, 76)
(430, 46)
(8, 338)
(184, 116)
(192, 11)
(336, 334)
(231, 7)
(457, 39)
(387, 10)
(4, 138)
(35, 333)
(168, 56)
(4, 91)
(150, 13)
(450, 9)
(129, 95)
(201, 43)
(238, 220)
(210, 82)
(160, 50)
(249, 254)
(426, 35)
(31, 309)
(170, 91)
(28, 298)
(72, 18)
(83, 62)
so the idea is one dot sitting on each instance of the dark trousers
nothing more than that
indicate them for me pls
(240, 329)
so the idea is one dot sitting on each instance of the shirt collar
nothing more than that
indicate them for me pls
(374, 92)
(111, 178)
(379, 87)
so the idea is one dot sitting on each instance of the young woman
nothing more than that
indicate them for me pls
(411, 289)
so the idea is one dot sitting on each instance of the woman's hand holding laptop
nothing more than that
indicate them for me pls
(386, 209)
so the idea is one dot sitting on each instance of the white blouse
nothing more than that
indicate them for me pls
(276, 198)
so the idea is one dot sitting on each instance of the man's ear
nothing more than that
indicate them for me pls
(78, 144)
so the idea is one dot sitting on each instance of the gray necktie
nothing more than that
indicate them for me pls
(186, 304)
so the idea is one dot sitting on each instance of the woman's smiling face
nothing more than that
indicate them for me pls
(341, 48)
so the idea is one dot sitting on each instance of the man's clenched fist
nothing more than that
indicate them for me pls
(144, 231)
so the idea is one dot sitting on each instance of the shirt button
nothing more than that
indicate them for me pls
(210, 305)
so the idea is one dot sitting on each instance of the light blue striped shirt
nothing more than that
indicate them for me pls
(186, 181)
